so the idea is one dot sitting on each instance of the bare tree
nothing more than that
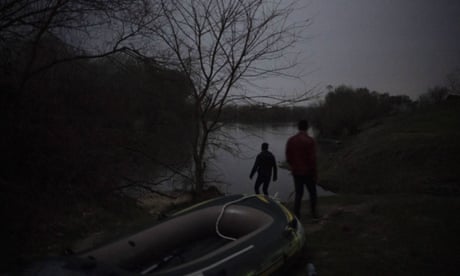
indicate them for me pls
(82, 29)
(221, 45)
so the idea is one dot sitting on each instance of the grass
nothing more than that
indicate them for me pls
(385, 235)
(397, 212)
(416, 152)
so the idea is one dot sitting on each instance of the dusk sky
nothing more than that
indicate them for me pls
(394, 46)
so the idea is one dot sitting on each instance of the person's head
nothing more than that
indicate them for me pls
(264, 146)
(302, 125)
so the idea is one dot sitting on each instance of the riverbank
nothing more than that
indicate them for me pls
(382, 235)
(415, 152)
(396, 212)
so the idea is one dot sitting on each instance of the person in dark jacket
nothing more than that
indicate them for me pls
(301, 157)
(264, 165)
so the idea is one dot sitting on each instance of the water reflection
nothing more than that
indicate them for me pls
(233, 170)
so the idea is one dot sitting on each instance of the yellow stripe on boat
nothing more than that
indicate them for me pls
(288, 213)
(262, 198)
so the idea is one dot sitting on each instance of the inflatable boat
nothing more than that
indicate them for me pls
(229, 235)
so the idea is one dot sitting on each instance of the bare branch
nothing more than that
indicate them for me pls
(27, 25)
(220, 44)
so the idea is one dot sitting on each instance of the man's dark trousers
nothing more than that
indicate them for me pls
(300, 181)
(262, 180)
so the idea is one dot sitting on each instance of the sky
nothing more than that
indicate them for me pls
(400, 47)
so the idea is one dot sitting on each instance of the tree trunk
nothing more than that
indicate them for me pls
(199, 177)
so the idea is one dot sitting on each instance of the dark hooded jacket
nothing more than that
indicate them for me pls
(264, 164)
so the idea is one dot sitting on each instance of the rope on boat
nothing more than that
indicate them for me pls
(222, 213)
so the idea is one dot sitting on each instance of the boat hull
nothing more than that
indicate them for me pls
(229, 235)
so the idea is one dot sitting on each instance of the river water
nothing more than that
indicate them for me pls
(233, 168)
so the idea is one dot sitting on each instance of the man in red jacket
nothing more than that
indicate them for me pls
(301, 157)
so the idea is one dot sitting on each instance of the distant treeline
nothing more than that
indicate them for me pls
(345, 109)
(341, 112)
(262, 113)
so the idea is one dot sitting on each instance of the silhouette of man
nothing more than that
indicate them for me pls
(264, 164)
(301, 157)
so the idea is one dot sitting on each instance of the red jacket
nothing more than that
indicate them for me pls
(301, 155)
